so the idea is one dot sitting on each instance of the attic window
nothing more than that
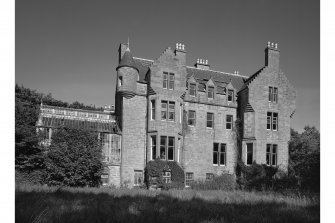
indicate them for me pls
(210, 92)
(193, 90)
(230, 95)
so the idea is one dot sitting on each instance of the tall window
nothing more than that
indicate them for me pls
(164, 110)
(189, 178)
(171, 111)
(219, 154)
(107, 146)
(210, 120)
(193, 90)
(191, 118)
(272, 121)
(229, 122)
(210, 92)
(249, 153)
(138, 177)
(168, 80)
(273, 94)
(153, 109)
(168, 108)
(171, 81)
(153, 147)
(167, 148)
(271, 154)
(165, 80)
(230, 95)
(170, 148)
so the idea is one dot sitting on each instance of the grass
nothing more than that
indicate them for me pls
(52, 204)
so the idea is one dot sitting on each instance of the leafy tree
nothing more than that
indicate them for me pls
(74, 158)
(304, 163)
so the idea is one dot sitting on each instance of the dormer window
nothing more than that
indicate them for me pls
(230, 95)
(168, 80)
(193, 90)
(210, 92)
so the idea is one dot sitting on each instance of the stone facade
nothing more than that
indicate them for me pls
(149, 130)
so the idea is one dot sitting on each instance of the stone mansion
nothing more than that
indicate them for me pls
(166, 109)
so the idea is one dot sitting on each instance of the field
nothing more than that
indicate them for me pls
(52, 204)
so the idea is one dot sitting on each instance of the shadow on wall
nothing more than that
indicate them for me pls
(65, 206)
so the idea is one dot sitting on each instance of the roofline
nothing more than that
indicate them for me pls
(239, 75)
(77, 109)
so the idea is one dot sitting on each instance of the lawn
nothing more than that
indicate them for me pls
(52, 204)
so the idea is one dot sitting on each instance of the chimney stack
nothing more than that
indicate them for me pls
(202, 64)
(180, 53)
(272, 56)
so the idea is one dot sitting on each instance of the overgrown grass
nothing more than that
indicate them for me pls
(52, 204)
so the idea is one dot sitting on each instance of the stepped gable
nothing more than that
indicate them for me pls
(220, 78)
(251, 78)
(249, 108)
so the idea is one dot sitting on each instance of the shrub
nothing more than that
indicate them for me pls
(74, 158)
(33, 177)
(154, 174)
(224, 182)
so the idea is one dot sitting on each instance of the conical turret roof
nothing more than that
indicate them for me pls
(127, 60)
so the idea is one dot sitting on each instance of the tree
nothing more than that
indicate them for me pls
(74, 158)
(304, 163)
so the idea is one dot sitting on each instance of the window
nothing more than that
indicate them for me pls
(272, 121)
(191, 117)
(153, 147)
(189, 178)
(105, 176)
(153, 109)
(229, 122)
(210, 92)
(230, 95)
(219, 154)
(167, 177)
(168, 80)
(273, 94)
(249, 153)
(171, 111)
(193, 90)
(209, 176)
(107, 146)
(138, 177)
(171, 81)
(168, 108)
(120, 81)
(271, 154)
(163, 147)
(210, 120)
(170, 148)
(164, 110)
(165, 80)
(167, 148)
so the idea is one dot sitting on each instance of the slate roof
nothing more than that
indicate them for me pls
(202, 76)
(127, 61)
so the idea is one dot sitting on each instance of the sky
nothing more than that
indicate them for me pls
(69, 47)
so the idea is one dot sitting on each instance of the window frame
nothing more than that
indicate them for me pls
(170, 148)
(164, 110)
(211, 121)
(210, 90)
(271, 154)
(273, 94)
(189, 178)
(171, 111)
(167, 177)
(230, 95)
(249, 152)
(165, 80)
(171, 81)
(195, 89)
(272, 121)
(191, 119)
(153, 146)
(229, 122)
(220, 152)
(166, 149)
(153, 109)
(168, 80)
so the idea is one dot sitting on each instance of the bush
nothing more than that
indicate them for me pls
(224, 182)
(74, 158)
(154, 174)
(33, 177)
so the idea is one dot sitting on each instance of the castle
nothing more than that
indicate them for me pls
(205, 120)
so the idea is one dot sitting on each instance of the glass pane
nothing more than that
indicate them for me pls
(223, 148)
(249, 147)
(215, 158)
(163, 115)
(170, 153)
(268, 148)
(268, 159)
(222, 158)
(171, 141)
(216, 147)
(274, 148)
(164, 104)
(274, 159)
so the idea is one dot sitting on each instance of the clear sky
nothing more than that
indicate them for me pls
(69, 47)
